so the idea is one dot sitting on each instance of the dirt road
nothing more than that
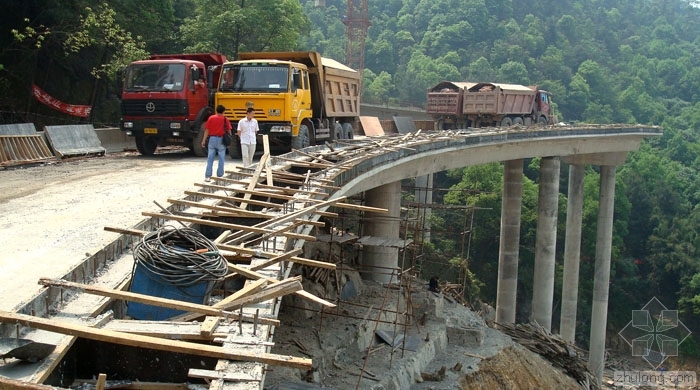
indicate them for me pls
(54, 214)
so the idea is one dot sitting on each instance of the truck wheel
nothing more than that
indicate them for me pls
(542, 120)
(518, 121)
(337, 132)
(197, 148)
(146, 145)
(235, 148)
(506, 122)
(347, 131)
(302, 140)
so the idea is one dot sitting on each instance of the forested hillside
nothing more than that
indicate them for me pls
(603, 61)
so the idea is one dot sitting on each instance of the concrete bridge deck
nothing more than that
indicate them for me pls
(308, 183)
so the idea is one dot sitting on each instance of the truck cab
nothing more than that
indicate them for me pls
(299, 98)
(165, 100)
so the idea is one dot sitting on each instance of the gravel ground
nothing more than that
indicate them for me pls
(54, 214)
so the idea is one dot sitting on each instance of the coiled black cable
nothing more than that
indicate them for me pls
(173, 256)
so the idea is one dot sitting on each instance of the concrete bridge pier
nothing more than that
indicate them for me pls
(599, 312)
(508, 252)
(572, 253)
(546, 242)
(378, 262)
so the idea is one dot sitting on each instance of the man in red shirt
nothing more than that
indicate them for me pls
(215, 128)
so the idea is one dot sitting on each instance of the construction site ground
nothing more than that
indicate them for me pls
(54, 215)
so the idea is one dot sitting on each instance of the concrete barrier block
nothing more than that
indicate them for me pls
(114, 140)
(18, 129)
(73, 140)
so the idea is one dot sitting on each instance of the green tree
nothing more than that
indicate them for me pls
(233, 26)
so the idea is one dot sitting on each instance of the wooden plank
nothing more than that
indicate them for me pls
(286, 174)
(135, 385)
(305, 164)
(132, 232)
(199, 221)
(234, 199)
(223, 210)
(254, 180)
(176, 330)
(209, 325)
(222, 375)
(101, 381)
(134, 340)
(150, 300)
(254, 275)
(281, 288)
(277, 259)
(8, 384)
(294, 181)
(295, 259)
(259, 188)
(251, 288)
(268, 165)
(287, 218)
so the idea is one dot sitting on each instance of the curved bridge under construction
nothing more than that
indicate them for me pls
(260, 217)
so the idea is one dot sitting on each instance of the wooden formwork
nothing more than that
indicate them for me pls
(23, 149)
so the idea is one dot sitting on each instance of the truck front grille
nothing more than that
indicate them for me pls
(154, 107)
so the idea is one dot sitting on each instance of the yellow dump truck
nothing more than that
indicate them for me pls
(300, 98)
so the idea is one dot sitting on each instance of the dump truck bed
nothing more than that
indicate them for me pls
(446, 97)
(498, 99)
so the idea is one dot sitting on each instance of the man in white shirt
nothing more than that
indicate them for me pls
(247, 131)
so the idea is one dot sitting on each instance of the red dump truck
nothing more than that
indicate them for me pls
(164, 103)
(456, 105)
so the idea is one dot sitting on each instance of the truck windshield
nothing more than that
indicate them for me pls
(155, 77)
(255, 78)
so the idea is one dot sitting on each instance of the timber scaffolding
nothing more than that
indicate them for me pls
(262, 216)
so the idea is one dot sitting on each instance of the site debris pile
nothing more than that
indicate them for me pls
(561, 353)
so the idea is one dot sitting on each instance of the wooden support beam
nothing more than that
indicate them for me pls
(251, 288)
(286, 174)
(262, 188)
(300, 260)
(315, 158)
(221, 375)
(277, 259)
(254, 275)
(275, 290)
(150, 300)
(198, 221)
(174, 330)
(132, 232)
(268, 165)
(209, 325)
(235, 199)
(223, 210)
(252, 183)
(294, 181)
(101, 382)
(263, 193)
(306, 164)
(9, 384)
(287, 218)
(135, 385)
(139, 341)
